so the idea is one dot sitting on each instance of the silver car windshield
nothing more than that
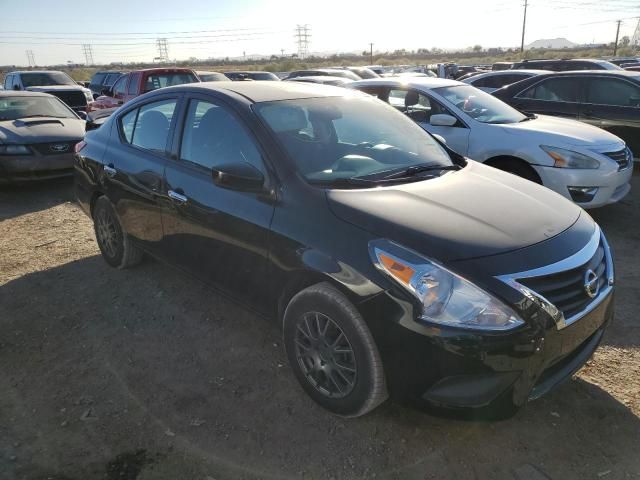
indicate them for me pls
(333, 138)
(479, 105)
(15, 108)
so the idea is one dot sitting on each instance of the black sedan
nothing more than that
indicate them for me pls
(392, 265)
(608, 99)
(38, 133)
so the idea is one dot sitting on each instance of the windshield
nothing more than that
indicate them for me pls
(333, 138)
(160, 80)
(44, 79)
(480, 106)
(13, 108)
(263, 76)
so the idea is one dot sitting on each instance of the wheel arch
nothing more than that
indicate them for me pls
(502, 161)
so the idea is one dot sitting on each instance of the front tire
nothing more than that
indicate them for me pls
(332, 352)
(115, 246)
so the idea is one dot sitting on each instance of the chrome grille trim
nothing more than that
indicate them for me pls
(624, 158)
(578, 259)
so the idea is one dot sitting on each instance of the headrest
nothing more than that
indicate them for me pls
(411, 99)
(284, 118)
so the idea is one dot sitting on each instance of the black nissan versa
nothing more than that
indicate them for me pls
(393, 265)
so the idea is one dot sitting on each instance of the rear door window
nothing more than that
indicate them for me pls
(98, 78)
(120, 88)
(148, 126)
(554, 90)
(613, 91)
(133, 83)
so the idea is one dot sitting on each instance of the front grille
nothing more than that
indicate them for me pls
(622, 157)
(566, 290)
(53, 148)
(74, 99)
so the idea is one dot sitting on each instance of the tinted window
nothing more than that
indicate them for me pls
(612, 91)
(554, 90)
(133, 83)
(111, 78)
(120, 87)
(148, 126)
(40, 79)
(160, 80)
(214, 136)
(98, 78)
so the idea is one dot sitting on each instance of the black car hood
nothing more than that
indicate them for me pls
(41, 130)
(474, 212)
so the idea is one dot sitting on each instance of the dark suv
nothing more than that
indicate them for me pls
(564, 65)
(392, 265)
(103, 79)
(608, 99)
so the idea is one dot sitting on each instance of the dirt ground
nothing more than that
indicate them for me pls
(148, 374)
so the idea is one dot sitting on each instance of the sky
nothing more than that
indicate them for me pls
(126, 30)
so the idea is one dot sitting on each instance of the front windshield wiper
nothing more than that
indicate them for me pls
(529, 116)
(348, 182)
(417, 169)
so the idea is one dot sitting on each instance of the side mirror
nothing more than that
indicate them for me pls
(106, 92)
(238, 176)
(17, 87)
(442, 120)
(82, 114)
(440, 138)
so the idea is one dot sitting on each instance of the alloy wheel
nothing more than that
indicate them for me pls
(107, 233)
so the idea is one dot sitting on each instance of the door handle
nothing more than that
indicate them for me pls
(177, 197)
(110, 170)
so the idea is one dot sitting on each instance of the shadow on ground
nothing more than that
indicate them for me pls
(19, 199)
(150, 366)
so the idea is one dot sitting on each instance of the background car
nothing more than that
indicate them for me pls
(137, 82)
(585, 164)
(252, 75)
(103, 79)
(38, 133)
(564, 65)
(363, 72)
(331, 72)
(605, 99)
(56, 83)
(212, 76)
(490, 81)
(324, 80)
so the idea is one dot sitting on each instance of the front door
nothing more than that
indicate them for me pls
(134, 167)
(557, 96)
(220, 235)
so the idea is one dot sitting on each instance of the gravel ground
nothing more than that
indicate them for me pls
(148, 374)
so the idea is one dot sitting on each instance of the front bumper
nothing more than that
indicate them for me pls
(22, 168)
(613, 185)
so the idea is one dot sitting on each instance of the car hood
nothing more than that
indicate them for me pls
(57, 88)
(554, 131)
(41, 130)
(466, 214)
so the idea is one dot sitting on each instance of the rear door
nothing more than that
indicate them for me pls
(134, 166)
(218, 234)
(614, 104)
(557, 96)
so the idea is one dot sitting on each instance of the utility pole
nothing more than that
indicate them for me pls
(371, 53)
(30, 58)
(163, 49)
(282, 52)
(524, 25)
(88, 53)
(615, 45)
(302, 36)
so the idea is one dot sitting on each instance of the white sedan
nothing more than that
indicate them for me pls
(580, 162)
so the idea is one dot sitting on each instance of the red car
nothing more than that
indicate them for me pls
(135, 83)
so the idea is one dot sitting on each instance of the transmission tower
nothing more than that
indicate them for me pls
(635, 41)
(302, 35)
(88, 53)
(163, 49)
(30, 58)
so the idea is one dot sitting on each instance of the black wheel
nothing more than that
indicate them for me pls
(332, 352)
(114, 244)
(517, 167)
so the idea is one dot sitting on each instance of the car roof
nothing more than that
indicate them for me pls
(320, 78)
(246, 72)
(35, 71)
(625, 73)
(510, 72)
(162, 69)
(257, 92)
(423, 82)
(22, 93)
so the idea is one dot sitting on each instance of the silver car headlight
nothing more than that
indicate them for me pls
(447, 298)
(563, 158)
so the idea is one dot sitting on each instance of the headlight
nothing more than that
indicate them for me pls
(569, 159)
(14, 150)
(446, 298)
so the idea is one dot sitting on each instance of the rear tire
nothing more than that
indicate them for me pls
(115, 245)
(332, 352)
